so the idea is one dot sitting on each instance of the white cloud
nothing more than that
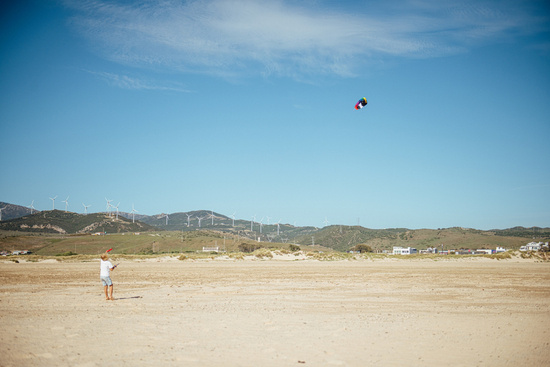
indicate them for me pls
(134, 83)
(280, 37)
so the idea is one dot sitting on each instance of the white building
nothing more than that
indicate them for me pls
(397, 250)
(210, 249)
(532, 246)
(484, 251)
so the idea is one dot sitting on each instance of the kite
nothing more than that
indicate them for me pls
(362, 103)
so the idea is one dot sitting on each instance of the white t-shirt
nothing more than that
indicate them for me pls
(106, 267)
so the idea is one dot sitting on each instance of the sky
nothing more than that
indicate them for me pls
(246, 107)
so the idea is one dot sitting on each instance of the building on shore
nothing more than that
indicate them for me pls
(397, 250)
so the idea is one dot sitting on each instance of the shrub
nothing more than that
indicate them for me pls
(294, 248)
(237, 256)
(362, 248)
(248, 247)
(526, 255)
(262, 252)
(69, 253)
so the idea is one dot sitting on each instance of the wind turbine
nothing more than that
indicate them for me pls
(199, 218)
(233, 216)
(278, 226)
(31, 206)
(133, 213)
(188, 217)
(66, 201)
(116, 210)
(326, 221)
(212, 216)
(252, 222)
(261, 224)
(166, 216)
(86, 208)
(108, 206)
(53, 202)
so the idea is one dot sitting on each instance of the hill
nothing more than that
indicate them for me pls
(342, 238)
(11, 211)
(533, 232)
(138, 243)
(337, 237)
(210, 220)
(57, 221)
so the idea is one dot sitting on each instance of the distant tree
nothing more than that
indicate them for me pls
(362, 248)
(248, 247)
(294, 248)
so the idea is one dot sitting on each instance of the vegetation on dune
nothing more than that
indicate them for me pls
(268, 254)
(263, 253)
(249, 247)
(68, 253)
(500, 256)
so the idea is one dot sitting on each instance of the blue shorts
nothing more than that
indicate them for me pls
(106, 281)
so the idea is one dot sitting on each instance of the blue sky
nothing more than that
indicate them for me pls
(246, 106)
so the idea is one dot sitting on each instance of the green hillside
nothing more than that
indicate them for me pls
(342, 238)
(339, 238)
(533, 232)
(187, 224)
(57, 221)
(189, 221)
(149, 243)
(11, 211)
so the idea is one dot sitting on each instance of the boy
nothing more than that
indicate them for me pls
(105, 276)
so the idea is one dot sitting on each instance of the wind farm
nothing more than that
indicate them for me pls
(180, 226)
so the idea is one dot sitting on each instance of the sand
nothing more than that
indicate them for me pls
(277, 313)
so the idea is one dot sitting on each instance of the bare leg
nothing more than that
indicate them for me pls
(111, 292)
(106, 294)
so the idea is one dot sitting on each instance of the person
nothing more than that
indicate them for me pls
(105, 276)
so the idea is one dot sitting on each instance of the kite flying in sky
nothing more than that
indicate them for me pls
(362, 103)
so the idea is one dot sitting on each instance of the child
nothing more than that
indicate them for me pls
(105, 276)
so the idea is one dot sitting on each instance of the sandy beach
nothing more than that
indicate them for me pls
(277, 313)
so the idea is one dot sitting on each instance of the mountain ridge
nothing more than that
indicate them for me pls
(337, 237)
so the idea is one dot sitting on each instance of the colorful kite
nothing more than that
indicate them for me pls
(362, 103)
